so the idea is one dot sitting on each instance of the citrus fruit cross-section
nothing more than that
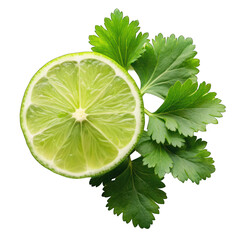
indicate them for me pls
(81, 115)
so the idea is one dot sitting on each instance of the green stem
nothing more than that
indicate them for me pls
(148, 113)
(142, 91)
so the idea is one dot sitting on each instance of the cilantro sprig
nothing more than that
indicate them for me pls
(119, 39)
(135, 193)
(168, 69)
(191, 161)
(164, 62)
(189, 109)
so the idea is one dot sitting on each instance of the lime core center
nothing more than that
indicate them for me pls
(79, 115)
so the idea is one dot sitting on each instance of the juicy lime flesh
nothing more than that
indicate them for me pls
(81, 115)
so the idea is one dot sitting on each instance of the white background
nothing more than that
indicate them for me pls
(38, 204)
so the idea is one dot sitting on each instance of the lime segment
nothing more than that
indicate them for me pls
(117, 127)
(45, 94)
(48, 142)
(115, 99)
(95, 77)
(100, 151)
(64, 78)
(42, 117)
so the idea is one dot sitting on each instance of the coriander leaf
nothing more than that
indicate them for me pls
(135, 193)
(154, 155)
(192, 161)
(158, 131)
(103, 179)
(188, 108)
(164, 62)
(120, 40)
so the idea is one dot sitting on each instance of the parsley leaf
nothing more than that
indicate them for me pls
(164, 62)
(107, 177)
(188, 109)
(191, 161)
(154, 155)
(135, 193)
(120, 40)
(158, 131)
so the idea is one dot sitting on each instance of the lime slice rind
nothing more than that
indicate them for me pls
(138, 113)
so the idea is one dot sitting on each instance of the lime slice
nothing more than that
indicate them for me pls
(81, 115)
